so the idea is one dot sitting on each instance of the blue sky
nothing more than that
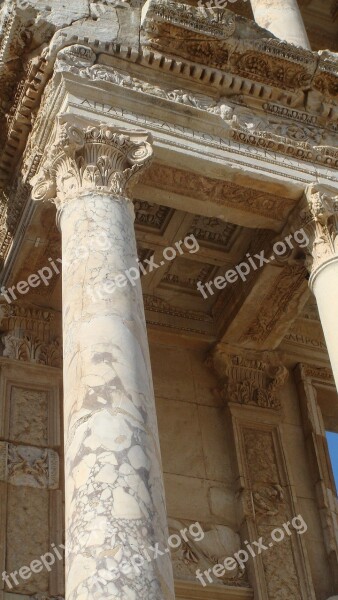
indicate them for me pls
(332, 439)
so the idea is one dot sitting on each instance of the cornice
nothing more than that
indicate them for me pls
(245, 79)
(267, 125)
(241, 81)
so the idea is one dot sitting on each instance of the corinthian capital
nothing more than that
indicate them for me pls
(249, 377)
(319, 218)
(97, 158)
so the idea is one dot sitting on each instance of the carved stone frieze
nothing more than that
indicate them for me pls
(190, 18)
(260, 56)
(326, 80)
(29, 335)
(276, 302)
(158, 305)
(94, 158)
(319, 217)
(29, 466)
(240, 123)
(249, 378)
(215, 190)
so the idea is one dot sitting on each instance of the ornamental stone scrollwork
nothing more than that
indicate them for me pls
(102, 159)
(249, 378)
(29, 466)
(319, 218)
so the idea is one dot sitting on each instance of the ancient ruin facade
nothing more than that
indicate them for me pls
(169, 273)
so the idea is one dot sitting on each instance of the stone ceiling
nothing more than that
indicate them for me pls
(259, 311)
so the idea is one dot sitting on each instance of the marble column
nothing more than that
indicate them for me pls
(320, 220)
(283, 18)
(115, 509)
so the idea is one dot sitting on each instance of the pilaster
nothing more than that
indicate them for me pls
(250, 386)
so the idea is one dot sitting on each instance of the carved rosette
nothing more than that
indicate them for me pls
(91, 159)
(319, 218)
(248, 379)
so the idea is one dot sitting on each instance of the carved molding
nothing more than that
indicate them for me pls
(270, 129)
(280, 301)
(249, 378)
(319, 218)
(158, 305)
(191, 18)
(29, 466)
(313, 372)
(215, 190)
(99, 158)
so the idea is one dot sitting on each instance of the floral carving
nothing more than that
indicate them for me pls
(320, 220)
(101, 158)
(250, 380)
(30, 348)
(28, 335)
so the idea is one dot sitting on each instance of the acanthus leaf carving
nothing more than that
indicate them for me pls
(249, 378)
(98, 158)
(31, 349)
(28, 335)
(320, 219)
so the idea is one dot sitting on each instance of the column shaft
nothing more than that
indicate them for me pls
(324, 285)
(114, 494)
(283, 18)
(115, 508)
(319, 218)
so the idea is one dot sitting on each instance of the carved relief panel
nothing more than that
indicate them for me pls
(30, 495)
